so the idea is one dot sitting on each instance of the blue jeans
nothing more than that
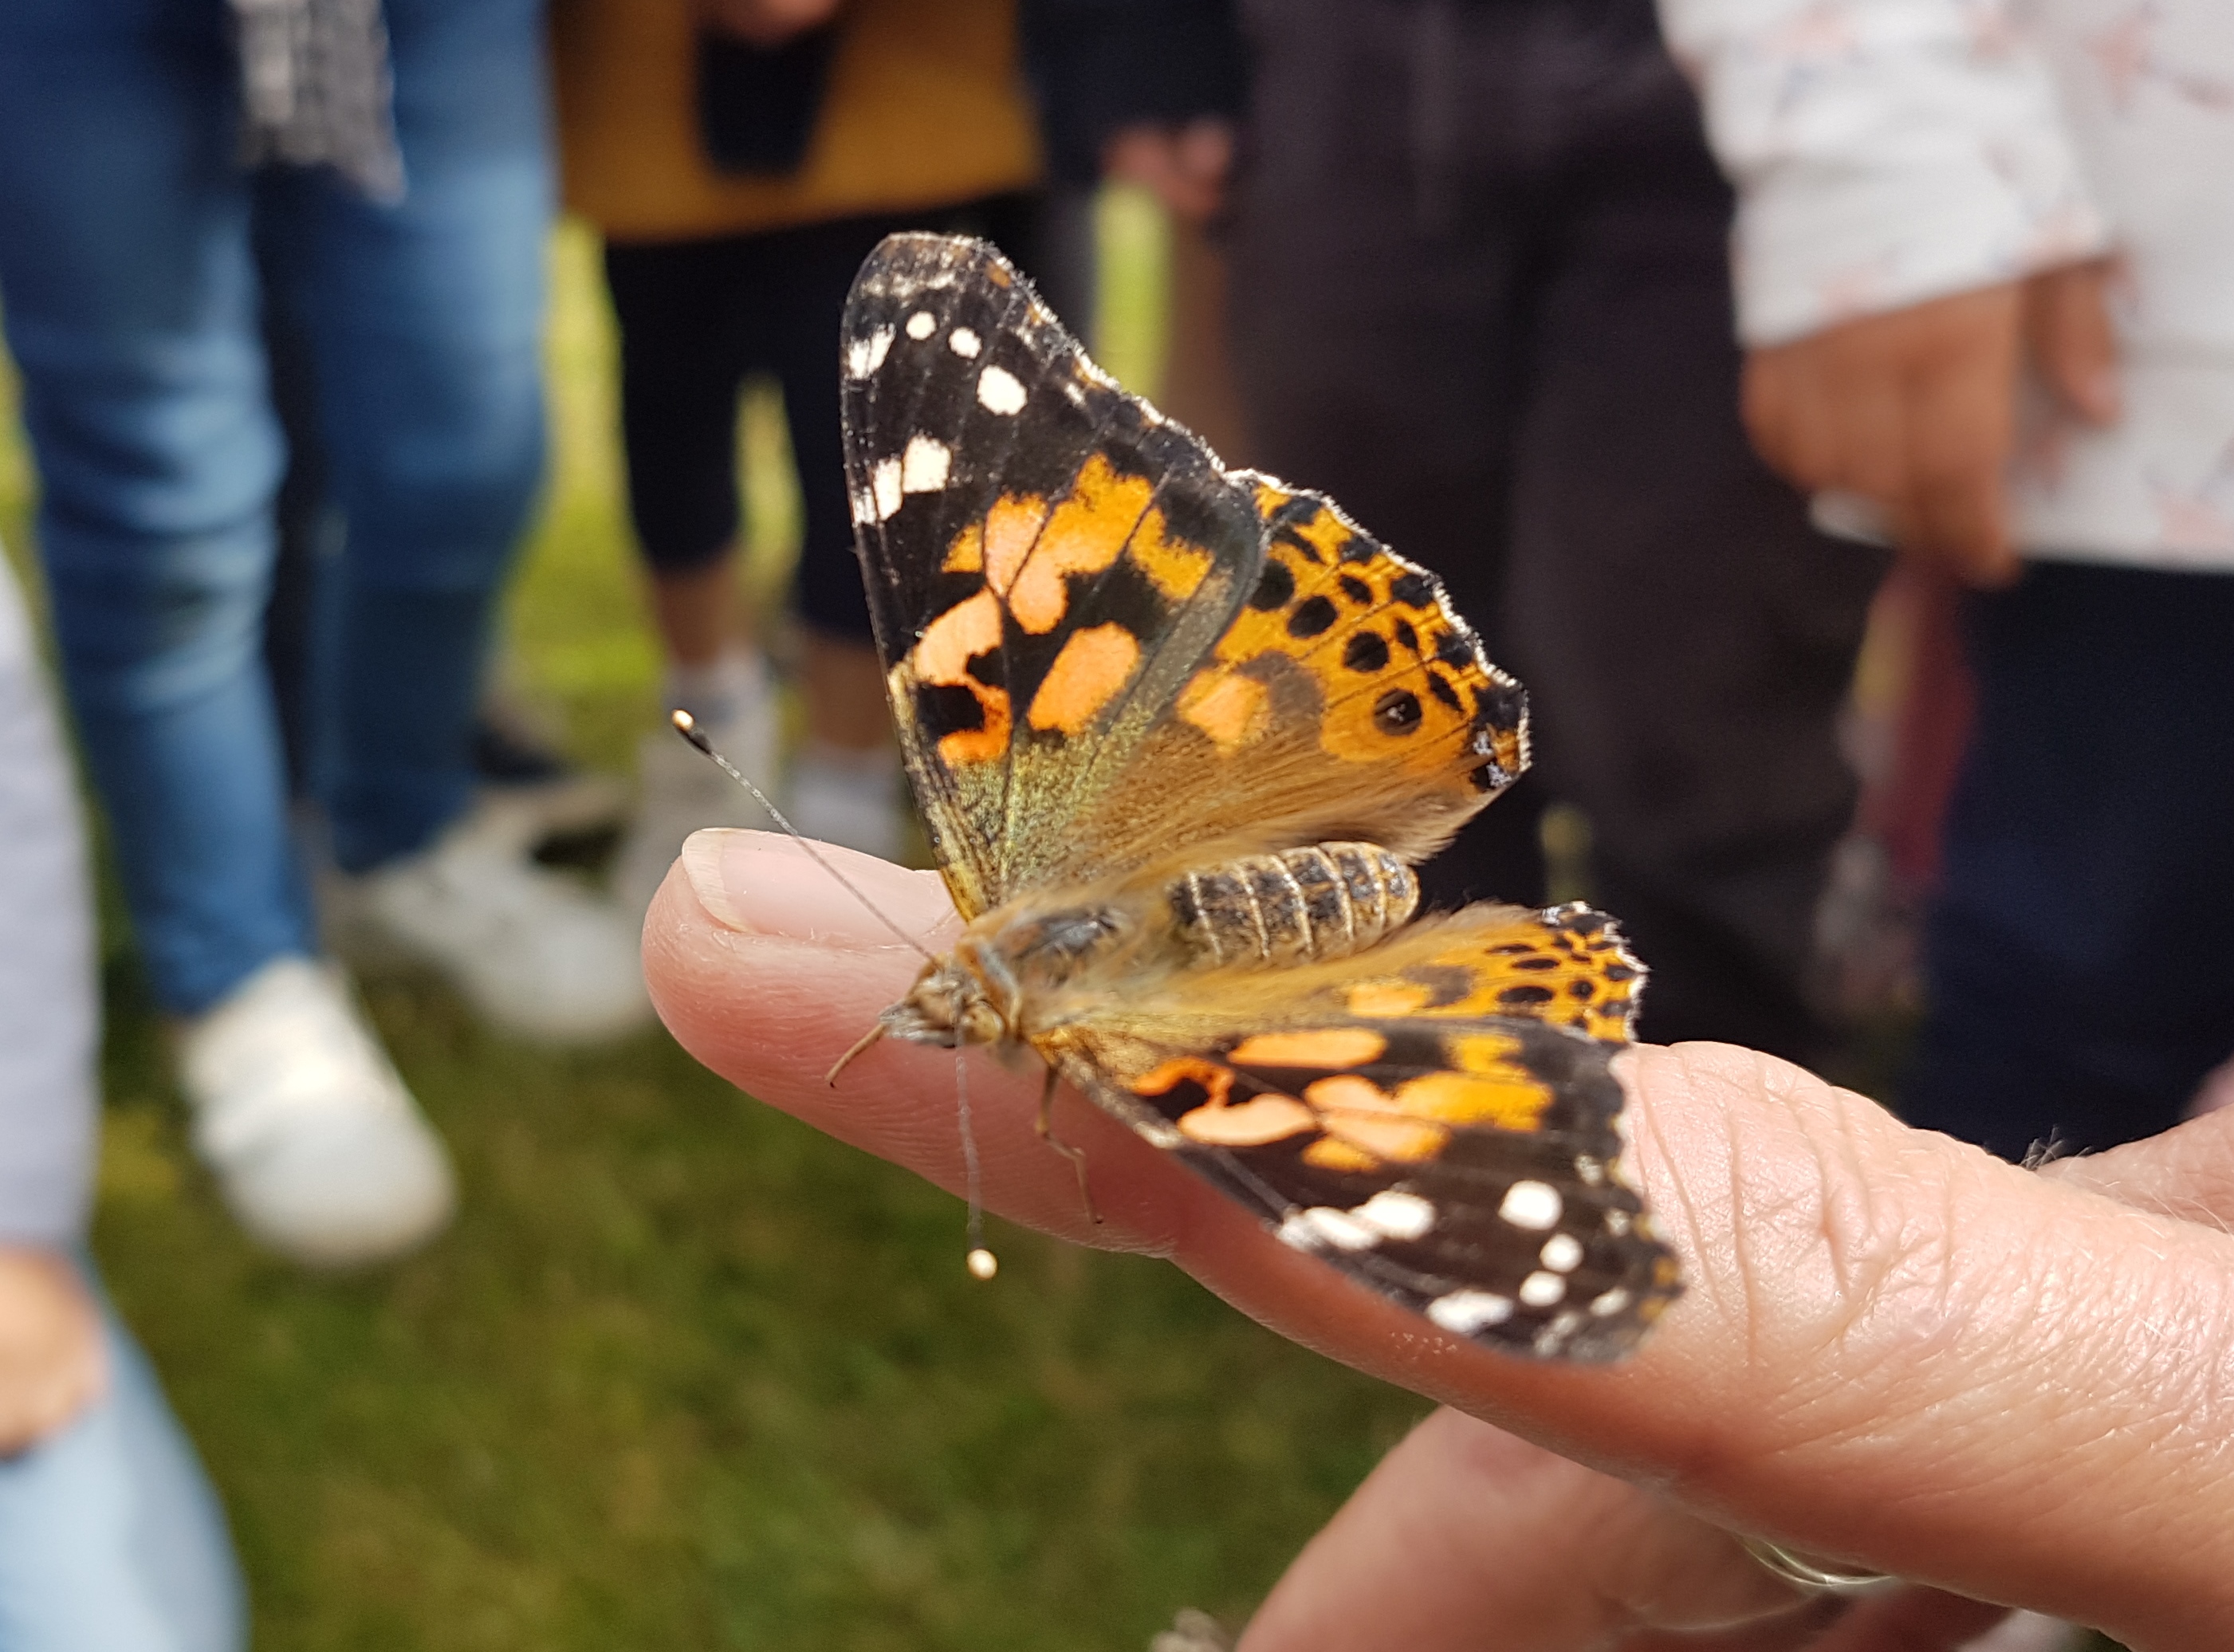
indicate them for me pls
(132, 307)
(2079, 983)
(110, 1537)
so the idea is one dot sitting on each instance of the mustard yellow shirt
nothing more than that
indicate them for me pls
(926, 107)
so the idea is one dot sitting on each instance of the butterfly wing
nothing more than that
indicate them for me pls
(1433, 1117)
(1101, 646)
(1467, 1169)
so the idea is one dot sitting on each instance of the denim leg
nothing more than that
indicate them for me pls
(130, 307)
(2076, 985)
(110, 1536)
(426, 321)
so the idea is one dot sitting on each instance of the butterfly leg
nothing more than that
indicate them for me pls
(1076, 1155)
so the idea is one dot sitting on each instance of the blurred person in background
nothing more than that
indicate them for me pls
(406, 172)
(1479, 293)
(110, 1537)
(741, 157)
(1986, 258)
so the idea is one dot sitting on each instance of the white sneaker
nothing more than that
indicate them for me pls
(319, 1150)
(538, 956)
(679, 791)
(849, 798)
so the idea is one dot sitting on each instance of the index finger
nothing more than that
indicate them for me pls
(2014, 1384)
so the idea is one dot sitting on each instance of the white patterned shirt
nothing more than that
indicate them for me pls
(1891, 151)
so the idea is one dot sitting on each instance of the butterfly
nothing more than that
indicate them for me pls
(1178, 736)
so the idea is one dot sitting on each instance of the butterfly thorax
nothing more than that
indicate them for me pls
(1007, 979)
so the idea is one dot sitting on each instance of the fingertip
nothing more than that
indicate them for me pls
(763, 883)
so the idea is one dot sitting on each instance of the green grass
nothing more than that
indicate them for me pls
(686, 1374)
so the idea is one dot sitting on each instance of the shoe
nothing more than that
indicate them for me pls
(526, 787)
(678, 792)
(539, 956)
(849, 798)
(319, 1150)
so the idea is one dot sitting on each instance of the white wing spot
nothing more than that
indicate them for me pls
(924, 465)
(999, 392)
(1557, 1333)
(865, 508)
(1396, 1215)
(1323, 1226)
(884, 481)
(1542, 1289)
(1531, 1205)
(1611, 1302)
(921, 325)
(1562, 1253)
(1468, 1311)
(963, 343)
(864, 355)
(1073, 392)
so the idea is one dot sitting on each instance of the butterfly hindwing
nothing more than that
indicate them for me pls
(1568, 965)
(1469, 1170)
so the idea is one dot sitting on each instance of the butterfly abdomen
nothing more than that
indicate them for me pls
(1326, 901)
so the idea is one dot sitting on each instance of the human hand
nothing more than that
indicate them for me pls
(766, 24)
(1895, 1351)
(1915, 408)
(1184, 166)
(51, 1362)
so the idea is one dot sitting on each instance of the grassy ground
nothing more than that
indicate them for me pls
(686, 1374)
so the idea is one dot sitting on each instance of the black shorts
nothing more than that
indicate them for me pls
(695, 318)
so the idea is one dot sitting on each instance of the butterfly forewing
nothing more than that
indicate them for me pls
(1100, 645)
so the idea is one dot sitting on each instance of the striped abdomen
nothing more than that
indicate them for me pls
(1324, 902)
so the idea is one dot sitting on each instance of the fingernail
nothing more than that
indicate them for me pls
(760, 883)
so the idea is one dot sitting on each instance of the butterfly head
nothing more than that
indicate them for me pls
(968, 996)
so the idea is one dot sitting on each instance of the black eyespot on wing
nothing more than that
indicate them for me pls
(1396, 712)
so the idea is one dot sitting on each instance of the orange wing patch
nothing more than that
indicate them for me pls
(1401, 679)
(1026, 552)
(1366, 1125)
(1094, 666)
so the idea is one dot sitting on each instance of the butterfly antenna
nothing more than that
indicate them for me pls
(686, 726)
(983, 1264)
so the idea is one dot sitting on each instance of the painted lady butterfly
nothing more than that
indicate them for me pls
(1177, 733)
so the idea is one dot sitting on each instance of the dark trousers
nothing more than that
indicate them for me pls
(2081, 982)
(695, 317)
(1481, 295)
